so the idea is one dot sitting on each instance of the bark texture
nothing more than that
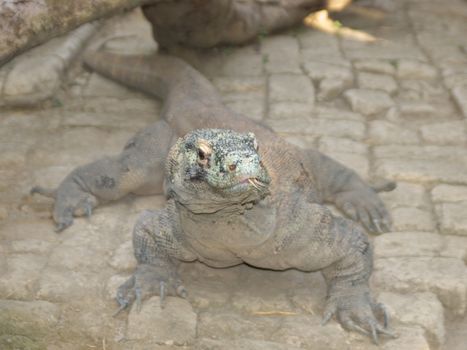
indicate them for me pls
(26, 23)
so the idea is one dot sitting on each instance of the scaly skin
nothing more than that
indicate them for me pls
(207, 23)
(265, 193)
(196, 23)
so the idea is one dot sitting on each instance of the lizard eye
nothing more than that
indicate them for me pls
(203, 158)
(201, 155)
(232, 167)
(204, 152)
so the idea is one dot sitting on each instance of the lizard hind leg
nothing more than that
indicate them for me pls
(139, 168)
(71, 202)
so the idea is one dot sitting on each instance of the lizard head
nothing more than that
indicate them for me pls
(217, 166)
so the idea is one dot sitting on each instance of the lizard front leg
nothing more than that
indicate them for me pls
(158, 252)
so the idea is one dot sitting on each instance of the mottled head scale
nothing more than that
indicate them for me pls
(212, 164)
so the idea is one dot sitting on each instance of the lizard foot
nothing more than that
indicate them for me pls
(149, 280)
(66, 208)
(365, 206)
(357, 313)
(69, 202)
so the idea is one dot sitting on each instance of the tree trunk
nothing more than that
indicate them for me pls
(27, 23)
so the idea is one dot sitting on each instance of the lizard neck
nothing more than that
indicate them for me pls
(203, 202)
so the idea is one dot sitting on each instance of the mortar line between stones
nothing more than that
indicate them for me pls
(429, 187)
(266, 97)
(429, 58)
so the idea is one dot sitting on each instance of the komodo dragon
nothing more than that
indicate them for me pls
(237, 193)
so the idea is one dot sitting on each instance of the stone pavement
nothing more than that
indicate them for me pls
(393, 108)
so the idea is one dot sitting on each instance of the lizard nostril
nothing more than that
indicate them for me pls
(232, 167)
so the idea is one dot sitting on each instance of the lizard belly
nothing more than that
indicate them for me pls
(305, 238)
(228, 240)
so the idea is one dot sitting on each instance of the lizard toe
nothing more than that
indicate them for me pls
(380, 310)
(349, 324)
(125, 295)
(63, 219)
(149, 280)
(85, 206)
(357, 313)
(365, 206)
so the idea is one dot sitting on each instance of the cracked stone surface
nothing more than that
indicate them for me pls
(175, 323)
(394, 108)
(375, 81)
(423, 309)
(368, 101)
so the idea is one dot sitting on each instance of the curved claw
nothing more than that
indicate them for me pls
(138, 298)
(181, 291)
(377, 225)
(375, 329)
(326, 318)
(123, 297)
(349, 324)
(64, 219)
(162, 294)
(382, 310)
(359, 313)
(120, 309)
(63, 225)
(365, 206)
(365, 219)
(88, 210)
(374, 334)
(375, 221)
(146, 281)
(328, 315)
(386, 333)
(386, 225)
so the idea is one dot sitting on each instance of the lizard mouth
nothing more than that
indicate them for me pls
(254, 182)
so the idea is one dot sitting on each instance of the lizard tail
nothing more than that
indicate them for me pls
(133, 71)
(158, 75)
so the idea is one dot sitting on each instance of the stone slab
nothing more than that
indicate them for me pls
(175, 323)
(445, 277)
(368, 102)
